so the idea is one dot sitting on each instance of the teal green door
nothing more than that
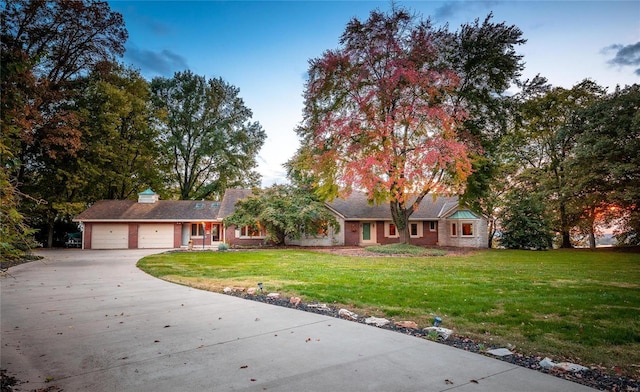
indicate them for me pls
(366, 231)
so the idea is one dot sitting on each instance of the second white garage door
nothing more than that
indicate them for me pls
(155, 236)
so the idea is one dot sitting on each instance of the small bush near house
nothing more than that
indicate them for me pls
(222, 246)
(405, 249)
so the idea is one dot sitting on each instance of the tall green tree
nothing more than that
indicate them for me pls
(525, 223)
(385, 112)
(120, 146)
(16, 237)
(16, 78)
(545, 144)
(50, 45)
(284, 211)
(608, 158)
(483, 53)
(208, 137)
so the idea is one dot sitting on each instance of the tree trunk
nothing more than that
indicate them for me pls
(592, 239)
(400, 217)
(566, 240)
(492, 233)
(50, 226)
(404, 235)
(566, 236)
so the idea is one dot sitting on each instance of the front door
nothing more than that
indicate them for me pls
(215, 232)
(368, 233)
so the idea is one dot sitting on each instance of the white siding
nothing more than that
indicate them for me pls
(110, 236)
(333, 239)
(478, 240)
(155, 236)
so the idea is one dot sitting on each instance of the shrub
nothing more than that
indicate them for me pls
(524, 225)
(405, 249)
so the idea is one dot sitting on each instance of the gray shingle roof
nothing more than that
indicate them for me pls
(231, 197)
(162, 210)
(356, 207)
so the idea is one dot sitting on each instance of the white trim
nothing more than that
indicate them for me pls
(459, 224)
(419, 229)
(473, 229)
(373, 239)
(336, 213)
(200, 231)
(249, 237)
(387, 230)
(447, 208)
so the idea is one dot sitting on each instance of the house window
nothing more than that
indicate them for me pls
(454, 229)
(252, 231)
(323, 229)
(390, 230)
(415, 230)
(197, 230)
(432, 226)
(315, 231)
(467, 229)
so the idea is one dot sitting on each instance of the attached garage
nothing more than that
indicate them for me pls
(156, 235)
(110, 236)
(150, 223)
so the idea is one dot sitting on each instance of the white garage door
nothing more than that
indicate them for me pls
(155, 236)
(110, 236)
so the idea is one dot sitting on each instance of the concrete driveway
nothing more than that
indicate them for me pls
(91, 321)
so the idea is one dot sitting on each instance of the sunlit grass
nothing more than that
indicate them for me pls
(578, 305)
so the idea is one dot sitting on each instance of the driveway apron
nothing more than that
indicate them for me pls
(89, 320)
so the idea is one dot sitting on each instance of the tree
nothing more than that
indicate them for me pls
(49, 45)
(545, 144)
(119, 155)
(208, 138)
(284, 211)
(16, 237)
(608, 158)
(58, 41)
(487, 192)
(384, 112)
(524, 223)
(484, 55)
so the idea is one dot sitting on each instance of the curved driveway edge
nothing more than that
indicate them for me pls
(88, 320)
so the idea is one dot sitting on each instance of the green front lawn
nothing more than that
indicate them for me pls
(578, 305)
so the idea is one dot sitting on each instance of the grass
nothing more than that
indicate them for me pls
(577, 305)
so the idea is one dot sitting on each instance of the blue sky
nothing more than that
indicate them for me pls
(263, 47)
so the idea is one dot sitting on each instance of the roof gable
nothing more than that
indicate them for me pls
(229, 200)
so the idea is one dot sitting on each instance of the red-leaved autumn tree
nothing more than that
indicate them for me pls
(380, 116)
